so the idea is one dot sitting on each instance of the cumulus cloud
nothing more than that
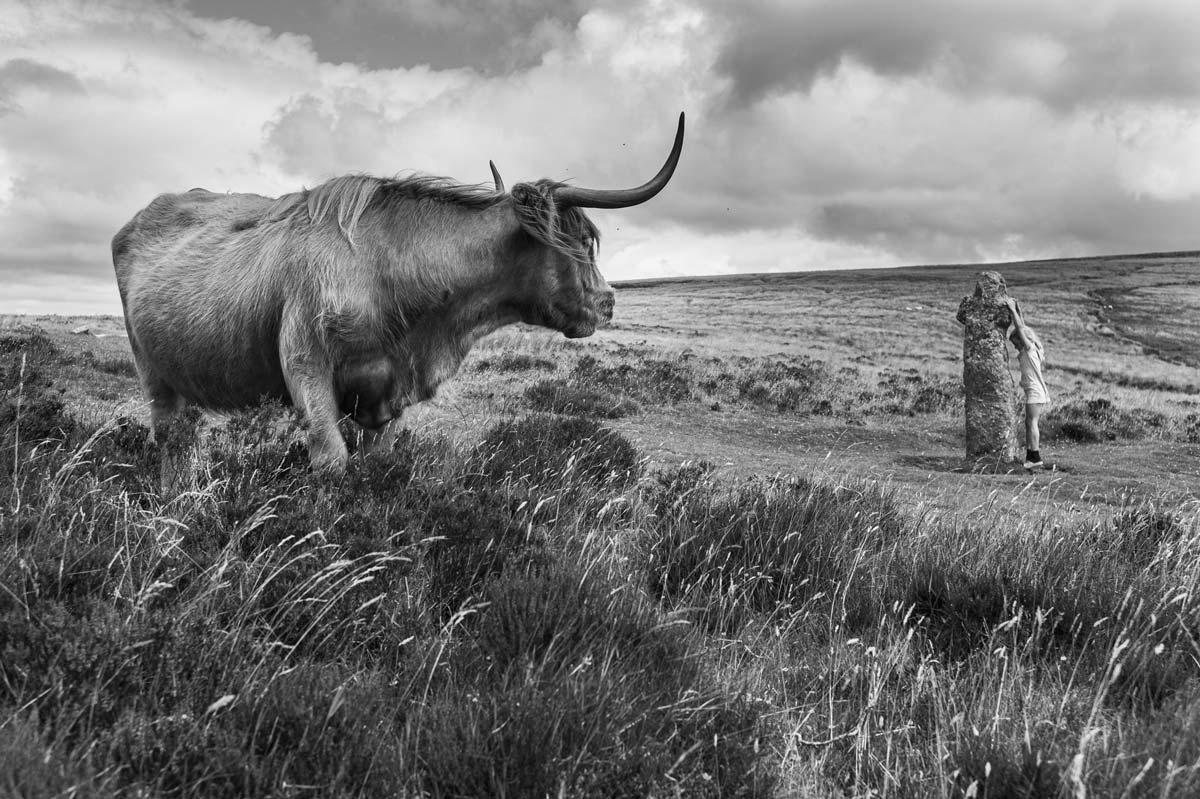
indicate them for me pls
(493, 37)
(20, 74)
(820, 134)
(1055, 50)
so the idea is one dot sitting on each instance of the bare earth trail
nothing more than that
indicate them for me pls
(1125, 329)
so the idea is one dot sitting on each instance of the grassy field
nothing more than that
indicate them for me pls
(729, 547)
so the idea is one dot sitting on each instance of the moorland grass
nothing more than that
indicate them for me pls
(622, 383)
(534, 614)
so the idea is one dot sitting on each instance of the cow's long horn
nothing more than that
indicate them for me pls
(623, 198)
(496, 177)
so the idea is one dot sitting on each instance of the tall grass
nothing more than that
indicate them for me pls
(534, 613)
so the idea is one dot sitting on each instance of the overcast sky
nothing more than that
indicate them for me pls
(822, 134)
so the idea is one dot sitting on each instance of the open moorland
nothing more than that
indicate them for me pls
(728, 547)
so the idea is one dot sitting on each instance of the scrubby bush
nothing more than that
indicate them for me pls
(34, 765)
(583, 692)
(1191, 428)
(1100, 419)
(32, 410)
(553, 396)
(30, 341)
(959, 608)
(767, 548)
(644, 379)
(477, 536)
(562, 451)
(515, 362)
(33, 416)
(780, 386)
(119, 365)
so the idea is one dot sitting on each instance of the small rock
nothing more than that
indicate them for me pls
(81, 331)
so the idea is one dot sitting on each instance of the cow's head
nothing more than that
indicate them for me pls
(561, 287)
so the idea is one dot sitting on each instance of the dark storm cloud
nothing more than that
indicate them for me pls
(1111, 223)
(1065, 54)
(493, 37)
(21, 73)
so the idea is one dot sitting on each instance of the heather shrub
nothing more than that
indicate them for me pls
(563, 451)
(119, 365)
(646, 379)
(785, 387)
(585, 693)
(766, 548)
(477, 535)
(1191, 428)
(31, 409)
(552, 396)
(1099, 419)
(33, 416)
(37, 765)
(911, 392)
(958, 608)
(515, 362)
(30, 341)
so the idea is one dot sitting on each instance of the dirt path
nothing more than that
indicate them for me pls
(923, 463)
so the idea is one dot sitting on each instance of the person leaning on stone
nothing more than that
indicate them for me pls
(1031, 356)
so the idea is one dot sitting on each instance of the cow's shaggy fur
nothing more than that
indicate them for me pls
(356, 297)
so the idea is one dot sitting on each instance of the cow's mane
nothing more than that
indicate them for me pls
(560, 228)
(343, 200)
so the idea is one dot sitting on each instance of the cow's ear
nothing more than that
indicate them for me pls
(536, 210)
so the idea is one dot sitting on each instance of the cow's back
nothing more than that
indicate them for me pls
(203, 278)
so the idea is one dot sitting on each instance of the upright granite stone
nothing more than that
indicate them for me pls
(991, 411)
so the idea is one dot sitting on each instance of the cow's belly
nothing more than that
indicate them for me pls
(226, 384)
(229, 389)
(215, 372)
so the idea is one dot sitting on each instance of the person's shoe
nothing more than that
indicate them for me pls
(1034, 466)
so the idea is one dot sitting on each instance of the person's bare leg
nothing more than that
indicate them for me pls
(1033, 435)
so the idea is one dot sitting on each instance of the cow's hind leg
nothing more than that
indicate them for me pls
(165, 402)
(173, 433)
(165, 405)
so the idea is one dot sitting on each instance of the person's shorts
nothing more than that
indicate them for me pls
(1036, 394)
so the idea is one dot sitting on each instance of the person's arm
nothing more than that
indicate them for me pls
(1018, 322)
(1020, 331)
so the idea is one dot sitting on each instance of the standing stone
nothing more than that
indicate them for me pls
(990, 409)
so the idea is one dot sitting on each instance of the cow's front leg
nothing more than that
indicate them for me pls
(315, 398)
(309, 377)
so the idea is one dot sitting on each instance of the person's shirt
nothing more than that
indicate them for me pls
(1031, 368)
